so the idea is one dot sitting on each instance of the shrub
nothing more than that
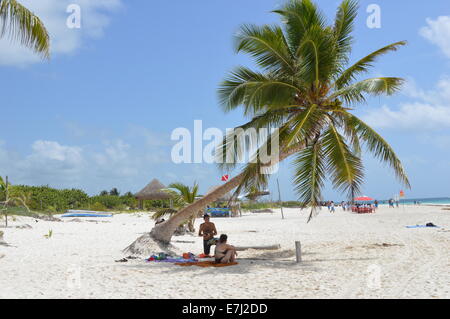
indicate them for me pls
(98, 207)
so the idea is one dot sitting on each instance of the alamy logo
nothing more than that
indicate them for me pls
(374, 19)
(74, 19)
(260, 146)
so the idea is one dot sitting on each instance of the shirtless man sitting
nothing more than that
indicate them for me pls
(208, 231)
(224, 253)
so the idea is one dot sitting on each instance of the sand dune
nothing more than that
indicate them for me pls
(344, 256)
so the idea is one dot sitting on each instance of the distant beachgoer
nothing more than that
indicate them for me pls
(224, 253)
(376, 204)
(332, 209)
(391, 203)
(208, 231)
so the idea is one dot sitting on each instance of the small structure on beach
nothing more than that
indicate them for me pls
(153, 191)
(232, 203)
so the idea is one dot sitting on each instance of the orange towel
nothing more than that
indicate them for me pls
(206, 264)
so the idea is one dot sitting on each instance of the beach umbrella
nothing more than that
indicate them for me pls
(364, 199)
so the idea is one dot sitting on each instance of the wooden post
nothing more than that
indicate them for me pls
(279, 199)
(298, 252)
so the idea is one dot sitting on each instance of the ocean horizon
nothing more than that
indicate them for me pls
(423, 201)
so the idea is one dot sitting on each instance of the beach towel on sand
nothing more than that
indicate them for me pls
(206, 264)
(173, 260)
(422, 226)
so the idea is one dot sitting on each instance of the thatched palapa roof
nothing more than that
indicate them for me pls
(153, 191)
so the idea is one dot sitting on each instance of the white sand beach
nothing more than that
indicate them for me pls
(345, 255)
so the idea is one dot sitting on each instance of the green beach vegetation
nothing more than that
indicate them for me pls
(48, 200)
(45, 199)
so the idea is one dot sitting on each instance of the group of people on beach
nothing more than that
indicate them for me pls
(347, 206)
(223, 253)
(393, 203)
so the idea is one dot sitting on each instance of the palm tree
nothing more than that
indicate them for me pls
(186, 195)
(114, 192)
(306, 88)
(20, 24)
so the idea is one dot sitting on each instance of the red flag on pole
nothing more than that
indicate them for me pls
(225, 178)
(402, 194)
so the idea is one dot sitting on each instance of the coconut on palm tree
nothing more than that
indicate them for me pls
(305, 87)
(20, 24)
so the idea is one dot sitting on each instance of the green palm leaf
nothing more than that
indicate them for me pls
(309, 176)
(20, 24)
(378, 147)
(343, 28)
(345, 168)
(355, 93)
(299, 17)
(363, 65)
(267, 46)
(254, 91)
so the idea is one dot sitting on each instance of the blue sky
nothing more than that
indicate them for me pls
(99, 114)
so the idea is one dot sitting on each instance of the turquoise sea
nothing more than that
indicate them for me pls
(433, 201)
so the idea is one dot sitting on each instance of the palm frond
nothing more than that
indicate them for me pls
(267, 46)
(20, 24)
(316, 56)
(254, 91)
(186, 193)
(343, 28)
(299, 17)
(240, 140)
(378, 147)
(309, 176)
(356, 92)
(344, 167)
(301, 126)
(364, 64)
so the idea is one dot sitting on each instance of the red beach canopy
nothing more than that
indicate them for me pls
(363, 199)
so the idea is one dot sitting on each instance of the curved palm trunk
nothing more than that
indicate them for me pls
(163, 232)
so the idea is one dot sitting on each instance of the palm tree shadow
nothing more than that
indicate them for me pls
(277, 260)
(244, 266)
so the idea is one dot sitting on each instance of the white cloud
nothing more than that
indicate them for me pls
(430, 110)
(116, 164)
(94, 20)
(48, 162)
(438, 32)
(55, 151)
